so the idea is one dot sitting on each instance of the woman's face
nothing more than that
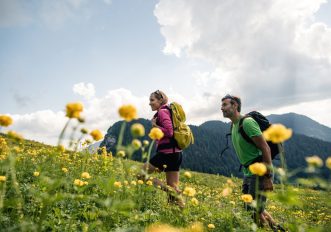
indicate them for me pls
(154, 102)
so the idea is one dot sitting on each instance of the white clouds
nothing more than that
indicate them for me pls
(271, 53)
(101, 113)
(85, 90)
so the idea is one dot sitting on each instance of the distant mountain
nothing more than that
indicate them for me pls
(303, 125)
(210, 140)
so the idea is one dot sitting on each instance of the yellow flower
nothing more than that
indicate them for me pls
(211, 226)
(258, 169)
(156, 134)
(5, 120)
(189, 191)
(187, 174)
(277, 133)
(121, 153)
(161, 228)
(3, 178)
(61, 148)
(80, 183)
(128, 112)
(140, 182)
(146, 143)
(194, 201)
(125, 182)
(117, 184)
(36, 173)
(96, 134)
(149, 182)
(85, 175)
(65, 170)
(247, 198)
(226, 192)
(195, 227)
(14, 135)
(165, 166)
(314, 161)
(133, 182)
(232, 202)
(74, 109)
(137, 130)
(328, 162)
(136, 144)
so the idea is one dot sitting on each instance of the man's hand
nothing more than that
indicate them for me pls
(267, 184)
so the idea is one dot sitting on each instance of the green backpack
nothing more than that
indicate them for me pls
(182, 132)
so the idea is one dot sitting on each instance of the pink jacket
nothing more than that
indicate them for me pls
(165, 124)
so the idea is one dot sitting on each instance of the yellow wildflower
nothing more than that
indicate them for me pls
(137, 130)
(247, 198)
(65, 170)
(149, 182)
(189, 191)
(277, 133)
(128, 112)
(117, 184)
(133, 182)
(125, 182)
(161, 228)
(258, 169)
(14, 135)
(146, 143)
(140, 182)
(194, 201)
(187, 174)
(156, 134)
(328, 162)
(5, 120)
(79, 183)
(165, 166)
(85, 175)
(121, 153)
(226, 192)
(61, 148)
(96, 135)
(195, 227)
(74, 109)
(3, 178)
(36, 173)
(314, 161)
(211, 226)
(136, 144)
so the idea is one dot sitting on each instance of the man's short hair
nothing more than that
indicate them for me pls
(233, 100)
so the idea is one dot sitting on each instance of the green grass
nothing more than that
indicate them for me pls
(51, 201)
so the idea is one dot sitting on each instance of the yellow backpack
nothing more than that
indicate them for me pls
(182, 132)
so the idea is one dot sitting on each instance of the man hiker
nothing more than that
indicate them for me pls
(247, 154)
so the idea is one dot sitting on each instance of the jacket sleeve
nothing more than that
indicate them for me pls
(164, 123)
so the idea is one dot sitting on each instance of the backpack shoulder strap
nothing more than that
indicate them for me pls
(242, 131)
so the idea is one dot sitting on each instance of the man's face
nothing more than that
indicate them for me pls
(228, 108)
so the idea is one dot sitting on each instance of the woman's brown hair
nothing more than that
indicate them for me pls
(160, 95)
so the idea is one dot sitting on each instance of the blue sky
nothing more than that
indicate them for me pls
(275, 54)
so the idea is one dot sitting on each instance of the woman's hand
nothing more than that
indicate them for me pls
(154, 122)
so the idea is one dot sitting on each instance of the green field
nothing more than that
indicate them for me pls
(53, 201)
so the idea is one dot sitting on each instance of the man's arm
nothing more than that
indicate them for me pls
(266, 158)
(264, 147)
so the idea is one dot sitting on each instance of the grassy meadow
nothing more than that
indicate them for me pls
(51, 188)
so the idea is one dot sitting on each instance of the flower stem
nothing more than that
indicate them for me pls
(62, 132)
(120, 136)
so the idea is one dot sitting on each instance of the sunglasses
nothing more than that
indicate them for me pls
(158, 93)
